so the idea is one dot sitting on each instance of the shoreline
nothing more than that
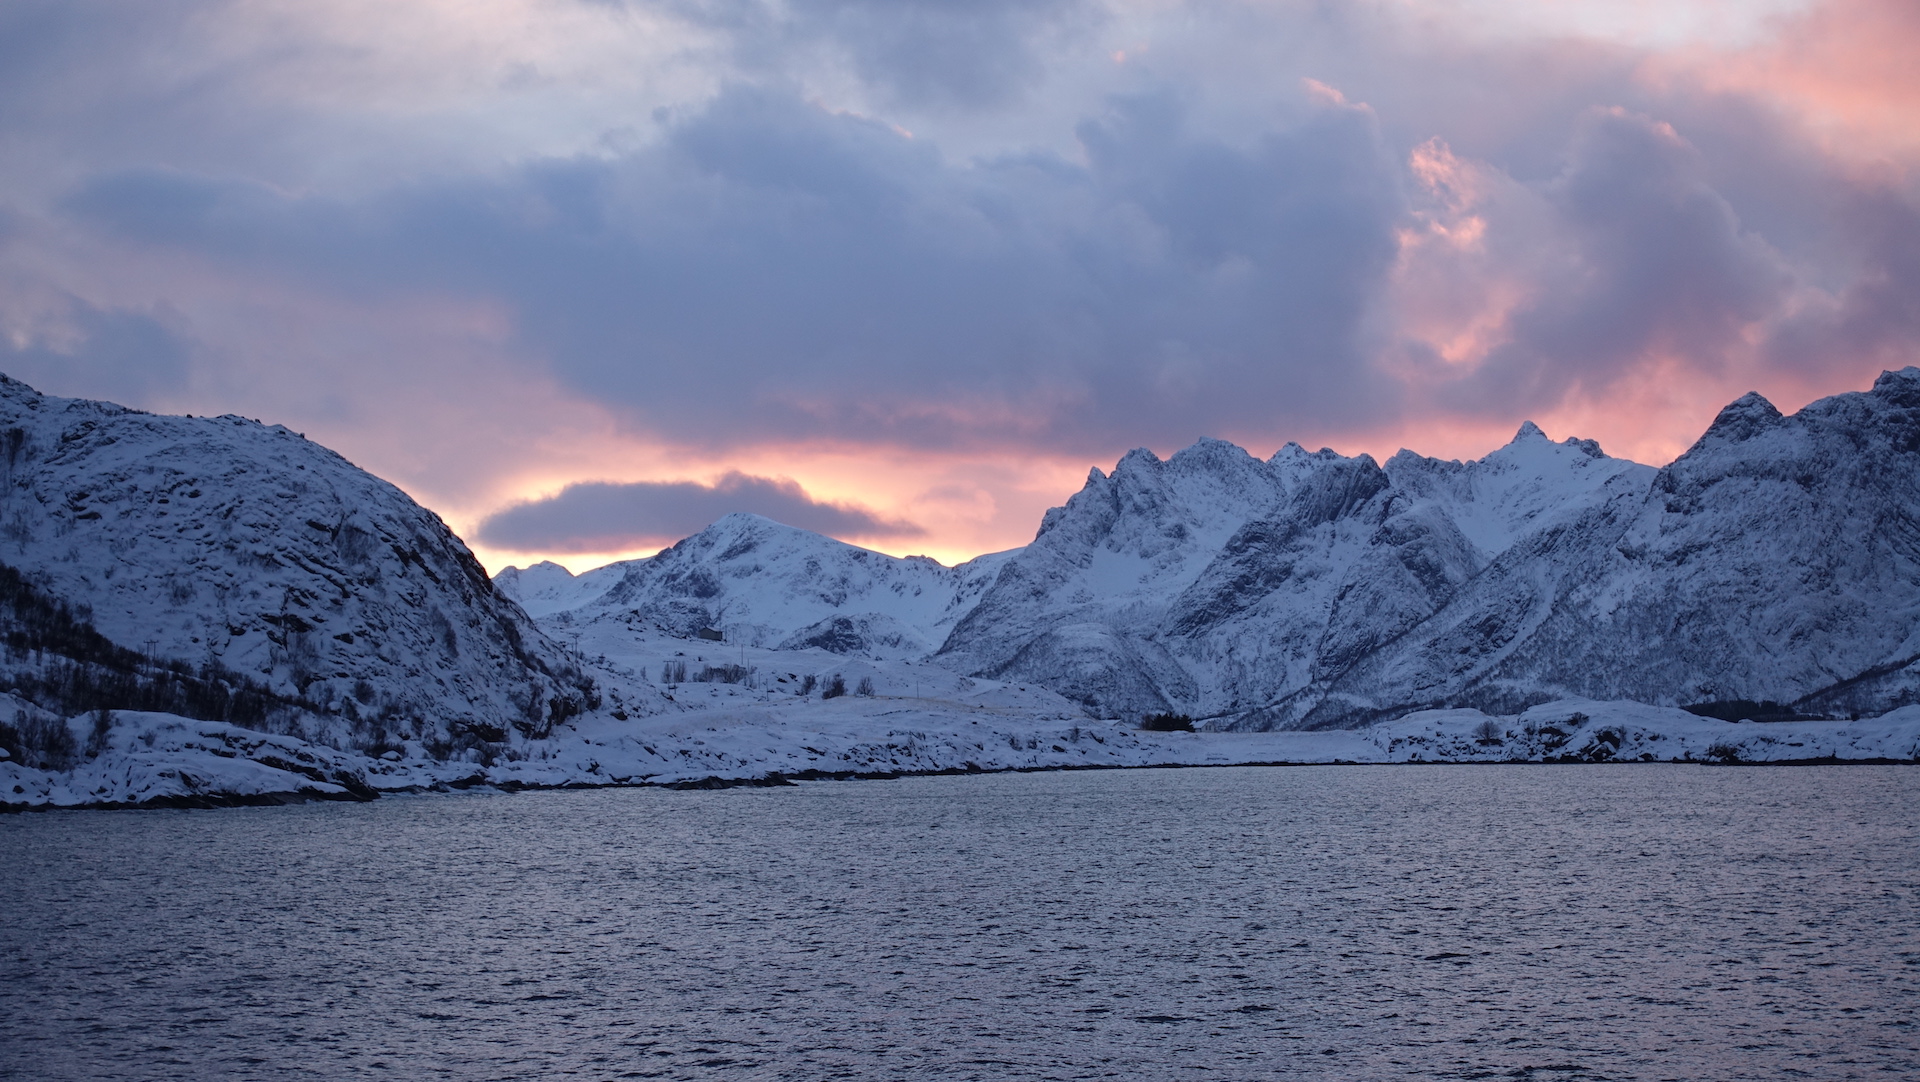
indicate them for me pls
(781, 779)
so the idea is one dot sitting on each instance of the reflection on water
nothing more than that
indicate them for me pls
(1614, 922)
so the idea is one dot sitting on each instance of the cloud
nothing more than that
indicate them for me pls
(605, 516)
(774, 270)
(942, 54)
(100, 353)
(1650, 263)
(1874, 322)
(724, 230)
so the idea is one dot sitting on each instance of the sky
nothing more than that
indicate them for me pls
(583, 275)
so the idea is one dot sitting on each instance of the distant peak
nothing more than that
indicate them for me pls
(1136, 463)
(1754, 400)
(1745, 417)
(1528, 431)
(1214, 453)
(740, 519)
(1902, 385)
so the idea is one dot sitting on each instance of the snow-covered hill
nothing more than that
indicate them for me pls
(764, 584)
(223, 548)
(547, 588)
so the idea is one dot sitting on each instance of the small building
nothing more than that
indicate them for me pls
(712, 634)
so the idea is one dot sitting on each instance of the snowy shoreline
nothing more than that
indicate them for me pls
(150, 760)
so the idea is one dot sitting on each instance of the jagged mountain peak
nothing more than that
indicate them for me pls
(1901, 385)
(1742, 419)
(1140, 458)
(1214, 582)
(1531, 434)
(1210, 453)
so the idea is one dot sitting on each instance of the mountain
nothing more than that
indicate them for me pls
(767, 585)
(1775, 561)
(205, 566)
(546, 588)
(1216, 584)
(209, 610)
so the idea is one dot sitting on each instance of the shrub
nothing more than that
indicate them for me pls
(722, 674)
(866, 687)
(807, 683)
(1749, 710)
(97, 735)
(45, 744)
(1166, 723)
(836, 687)
(1488, 732)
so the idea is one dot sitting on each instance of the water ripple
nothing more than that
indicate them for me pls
(1566, 924)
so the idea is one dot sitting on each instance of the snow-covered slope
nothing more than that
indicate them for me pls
(219, 544)
(547, 588)
(1501, 609)
(1778, 559)
(764, 584)
(1214, 584)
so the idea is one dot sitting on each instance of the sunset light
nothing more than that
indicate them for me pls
(493, 251)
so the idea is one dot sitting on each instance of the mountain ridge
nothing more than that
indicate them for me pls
(1316, 590)
(209, 610)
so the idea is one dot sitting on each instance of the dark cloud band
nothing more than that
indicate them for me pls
(603, 516)
(1188, 245)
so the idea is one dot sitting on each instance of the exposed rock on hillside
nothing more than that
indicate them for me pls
(213, 546)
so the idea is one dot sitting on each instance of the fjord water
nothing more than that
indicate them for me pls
(1604, 922)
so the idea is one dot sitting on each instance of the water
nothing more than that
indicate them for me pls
(1565, 923)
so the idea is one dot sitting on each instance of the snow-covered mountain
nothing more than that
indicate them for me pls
(763, 584)
(208, 610)
(241, 555)
(1775, 560)
(546, 588)
(1216, 584)
(1778, 559)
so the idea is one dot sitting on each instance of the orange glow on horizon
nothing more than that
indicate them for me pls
(975, 504)
(968, 504)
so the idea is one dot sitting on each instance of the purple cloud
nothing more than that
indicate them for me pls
(606, 516)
